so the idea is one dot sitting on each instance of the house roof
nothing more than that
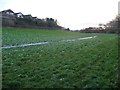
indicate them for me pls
(18, 13)
(28, 15)
(9, 10)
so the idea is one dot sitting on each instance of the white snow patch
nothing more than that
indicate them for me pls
(80, 38)
(23, 45)
(41, 43)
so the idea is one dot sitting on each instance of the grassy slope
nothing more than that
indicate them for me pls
(14, 36)
(87, 63)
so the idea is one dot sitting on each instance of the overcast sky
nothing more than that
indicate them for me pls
(73, 14)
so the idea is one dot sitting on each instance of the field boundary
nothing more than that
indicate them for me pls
(42, 43)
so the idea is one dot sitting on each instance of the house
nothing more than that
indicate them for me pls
(19, 15)
(28, 16)
(8, 18)
(8, 12)
(35, 18)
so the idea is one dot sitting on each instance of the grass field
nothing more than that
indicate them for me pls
(88, 63)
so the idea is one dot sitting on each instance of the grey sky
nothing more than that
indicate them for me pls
(75, 14)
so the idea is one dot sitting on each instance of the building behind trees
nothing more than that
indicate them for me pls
(12, 19)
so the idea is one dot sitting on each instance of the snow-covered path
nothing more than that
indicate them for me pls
(41, 43)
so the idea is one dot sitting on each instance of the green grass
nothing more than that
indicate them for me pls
(88, 63)
(15, 36)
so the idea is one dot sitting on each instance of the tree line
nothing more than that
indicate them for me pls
(112, 26)
(12, 19)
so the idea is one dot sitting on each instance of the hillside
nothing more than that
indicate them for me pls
(67, 61)
(12, 19)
